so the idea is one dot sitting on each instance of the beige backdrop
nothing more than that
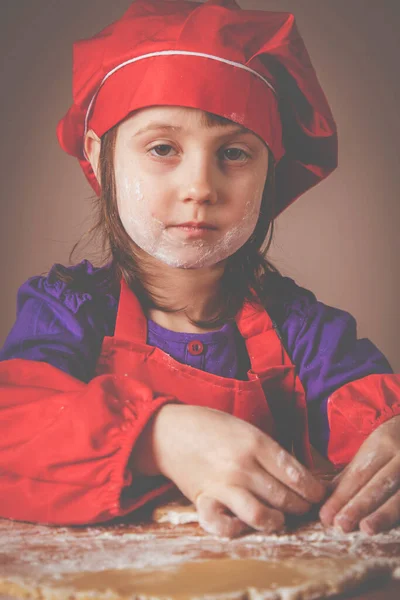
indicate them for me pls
(340, 240)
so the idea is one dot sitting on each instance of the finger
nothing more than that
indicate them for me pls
(250, 510)
(337, 478)
(384, 518)
(286, 469)
(275, 494)
(214, 518)
(330, 479)
(351, 481)
(378, 490)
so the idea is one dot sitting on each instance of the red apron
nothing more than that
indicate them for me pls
(272, 398)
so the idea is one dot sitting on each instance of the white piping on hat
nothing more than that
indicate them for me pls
(169, 53)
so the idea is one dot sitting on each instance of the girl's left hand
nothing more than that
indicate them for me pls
(367, 491)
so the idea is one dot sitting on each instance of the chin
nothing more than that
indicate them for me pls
(186, 265)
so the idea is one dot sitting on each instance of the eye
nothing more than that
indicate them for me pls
(235, 154)
(161, 150)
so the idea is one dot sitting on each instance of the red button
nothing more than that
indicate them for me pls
(195, 348)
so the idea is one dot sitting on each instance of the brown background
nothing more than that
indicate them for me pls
(340, 240)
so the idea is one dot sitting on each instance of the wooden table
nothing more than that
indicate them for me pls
(44, 554)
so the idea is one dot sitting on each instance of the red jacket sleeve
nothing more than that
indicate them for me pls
(349, 384)
(357, 409)
(66, 435)
(65, 444)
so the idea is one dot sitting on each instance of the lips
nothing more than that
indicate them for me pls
(193, 230)
(195, 225)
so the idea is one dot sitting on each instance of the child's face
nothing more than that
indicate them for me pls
(171, 169)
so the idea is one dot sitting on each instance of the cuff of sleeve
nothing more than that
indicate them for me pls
(123, 497)
(356, 410)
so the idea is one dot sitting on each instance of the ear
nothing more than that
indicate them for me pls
(92, 150)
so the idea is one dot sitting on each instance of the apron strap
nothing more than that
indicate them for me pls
(262, 340)
(131, 323)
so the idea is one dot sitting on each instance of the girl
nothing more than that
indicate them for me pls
(187, 360)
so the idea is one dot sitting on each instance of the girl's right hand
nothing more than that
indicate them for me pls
(236, 475)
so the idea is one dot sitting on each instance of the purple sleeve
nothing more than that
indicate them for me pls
(322, 343)
(62, 326)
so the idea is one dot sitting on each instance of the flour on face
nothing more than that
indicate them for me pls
(152, 201)
(157, 239)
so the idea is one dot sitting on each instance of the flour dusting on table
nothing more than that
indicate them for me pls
(144, 560)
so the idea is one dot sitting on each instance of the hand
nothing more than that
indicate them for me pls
(237, 476)
(367, 492)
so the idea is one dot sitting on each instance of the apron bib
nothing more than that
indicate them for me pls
(272, 398)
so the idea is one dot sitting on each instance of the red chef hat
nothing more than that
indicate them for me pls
(246, 65)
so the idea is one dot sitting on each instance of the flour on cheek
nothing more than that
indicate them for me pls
(153, 236)
(135, 214)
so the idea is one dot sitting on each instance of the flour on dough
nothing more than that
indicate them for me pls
(176, 513)
(174, 558)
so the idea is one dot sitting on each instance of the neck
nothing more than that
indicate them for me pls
(193, 293)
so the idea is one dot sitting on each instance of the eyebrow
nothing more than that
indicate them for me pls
(155, 125)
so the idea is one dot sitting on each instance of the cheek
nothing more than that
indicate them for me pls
(130, 194)
(249, 203)
(127, 185)
(136, 197)
(253, 203)
(131, 205)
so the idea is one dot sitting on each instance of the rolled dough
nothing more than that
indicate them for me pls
(179, 561)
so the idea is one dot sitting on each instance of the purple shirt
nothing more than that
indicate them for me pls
(65, 327)
(223, 351)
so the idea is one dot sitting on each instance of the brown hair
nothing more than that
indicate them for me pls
(246, 272)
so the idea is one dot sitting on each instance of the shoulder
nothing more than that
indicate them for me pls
(300, 317)
(62, 318)
(309, 327)
(285, 299)
(293, 308)
(71, 287)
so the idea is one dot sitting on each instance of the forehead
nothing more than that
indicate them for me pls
(178, 118)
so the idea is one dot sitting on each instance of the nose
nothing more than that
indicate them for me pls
(198, 180)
